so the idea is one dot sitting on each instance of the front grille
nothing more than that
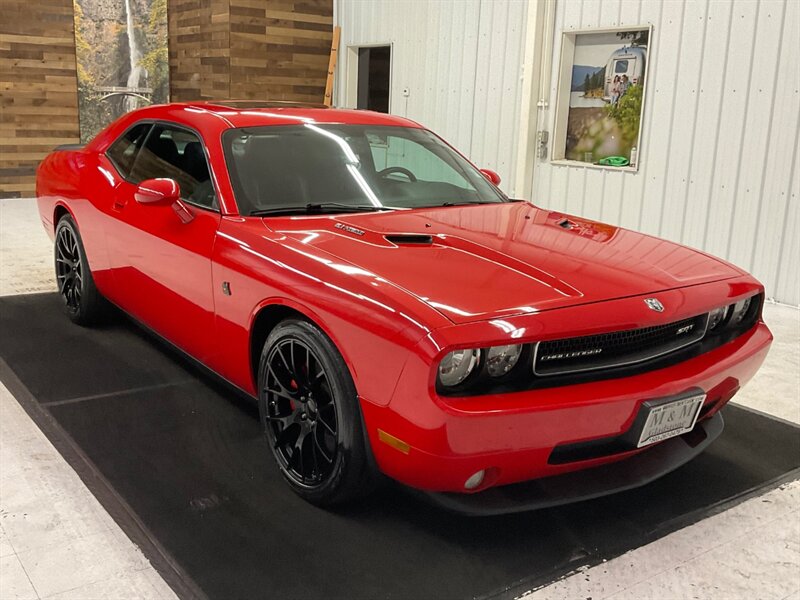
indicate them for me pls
(616, 349)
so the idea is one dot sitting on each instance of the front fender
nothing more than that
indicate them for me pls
(364, 317)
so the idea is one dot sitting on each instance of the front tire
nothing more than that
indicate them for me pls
(83, 304)
(310, 413)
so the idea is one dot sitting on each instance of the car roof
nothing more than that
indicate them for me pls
(253, 113)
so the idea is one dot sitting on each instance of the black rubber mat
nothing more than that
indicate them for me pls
(179, 462)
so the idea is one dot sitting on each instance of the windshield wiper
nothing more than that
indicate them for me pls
(466, 202)
(318, 208)
(463, 202)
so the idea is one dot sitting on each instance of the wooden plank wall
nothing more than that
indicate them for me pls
(280, 49)
(249, 49)
(38, 88)
(199, 49)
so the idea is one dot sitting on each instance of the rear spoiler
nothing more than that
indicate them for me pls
(69, 147)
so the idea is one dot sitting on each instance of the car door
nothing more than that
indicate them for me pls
(115, 166)
(163, 253)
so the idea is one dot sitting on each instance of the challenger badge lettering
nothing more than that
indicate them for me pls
(563, 355)
(348, 229)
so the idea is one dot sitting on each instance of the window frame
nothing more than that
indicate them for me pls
(163, 122)
(557, 146)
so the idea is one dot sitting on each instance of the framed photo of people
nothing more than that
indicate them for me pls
(601, 96)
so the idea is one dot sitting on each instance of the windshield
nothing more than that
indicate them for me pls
(348, 166)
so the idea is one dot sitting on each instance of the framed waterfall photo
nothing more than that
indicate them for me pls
(122, 57)
(601, 96)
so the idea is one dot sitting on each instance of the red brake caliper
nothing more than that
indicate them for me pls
(293, 383)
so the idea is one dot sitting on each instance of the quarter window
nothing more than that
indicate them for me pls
(177, 154)
(123, 152)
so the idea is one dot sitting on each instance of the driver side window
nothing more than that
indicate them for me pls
(391, 151)
(178, 154)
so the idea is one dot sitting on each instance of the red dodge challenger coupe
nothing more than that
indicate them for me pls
(393, 311)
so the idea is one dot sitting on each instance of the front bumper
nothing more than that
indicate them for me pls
(585, 485)
(513, 436)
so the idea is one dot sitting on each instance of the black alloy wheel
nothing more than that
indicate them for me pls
(69, 271)
(83, 303)
(301, 412)
(311, 415)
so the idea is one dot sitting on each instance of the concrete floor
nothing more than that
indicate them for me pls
(56, 541)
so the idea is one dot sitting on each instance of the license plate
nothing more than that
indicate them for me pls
(667, 419)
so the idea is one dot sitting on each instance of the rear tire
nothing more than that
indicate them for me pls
(83, 304)
(311, 416)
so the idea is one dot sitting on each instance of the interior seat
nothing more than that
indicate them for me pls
(165, 149)
(194, 163)
(268, 173)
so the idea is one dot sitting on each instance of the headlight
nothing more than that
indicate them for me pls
(457, 365)
(740, 310)
(716, 316)
(501, 359)
(734, 316)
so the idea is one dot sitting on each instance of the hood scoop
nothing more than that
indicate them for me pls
(409, 239)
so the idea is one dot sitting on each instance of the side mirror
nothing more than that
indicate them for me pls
(491, 176)
(158, 192)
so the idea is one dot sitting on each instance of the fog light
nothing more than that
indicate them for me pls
(475, 480)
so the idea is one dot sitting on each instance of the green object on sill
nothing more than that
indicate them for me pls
(614, 161)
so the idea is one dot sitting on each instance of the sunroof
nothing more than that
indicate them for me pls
(251, 104)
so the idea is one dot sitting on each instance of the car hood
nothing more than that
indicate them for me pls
(482, 262)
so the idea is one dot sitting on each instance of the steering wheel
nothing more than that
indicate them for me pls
(403, 170)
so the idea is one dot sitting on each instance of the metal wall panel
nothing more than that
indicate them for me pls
(460, 61)
(718, 163)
